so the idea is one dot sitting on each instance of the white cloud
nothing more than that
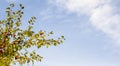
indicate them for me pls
(101, 14)
(103, 18)
(79, 6)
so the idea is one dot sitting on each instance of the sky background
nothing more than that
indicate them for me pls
(91, 29)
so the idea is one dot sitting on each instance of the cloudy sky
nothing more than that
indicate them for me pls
(91, 29)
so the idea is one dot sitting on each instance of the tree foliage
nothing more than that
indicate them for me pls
(13, 39)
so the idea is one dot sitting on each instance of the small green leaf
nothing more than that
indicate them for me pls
(12, 5)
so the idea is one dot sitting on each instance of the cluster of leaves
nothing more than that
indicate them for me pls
(13, 39)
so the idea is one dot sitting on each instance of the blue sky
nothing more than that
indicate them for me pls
(91, 29)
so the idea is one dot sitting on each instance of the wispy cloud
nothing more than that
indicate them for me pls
(101, 13)
(104, 19)
(80, 6)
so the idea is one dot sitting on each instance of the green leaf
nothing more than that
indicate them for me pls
(12, 5)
